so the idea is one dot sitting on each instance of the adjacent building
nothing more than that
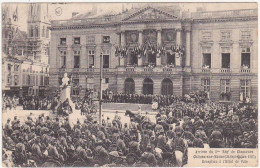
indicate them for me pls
(25, 67)
(158, 50)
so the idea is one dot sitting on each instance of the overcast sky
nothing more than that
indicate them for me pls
(68, 8)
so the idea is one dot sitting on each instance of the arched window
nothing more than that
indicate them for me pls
(148, 86)
(129, 86)
(167, 87)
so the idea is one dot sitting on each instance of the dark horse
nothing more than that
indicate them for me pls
(135, 117)
(142, 124)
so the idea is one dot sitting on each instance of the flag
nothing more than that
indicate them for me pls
(15, 14)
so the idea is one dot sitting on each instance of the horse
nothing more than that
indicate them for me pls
(134, 116)
(7, 158)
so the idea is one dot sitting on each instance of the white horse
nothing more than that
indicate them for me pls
(7, 158)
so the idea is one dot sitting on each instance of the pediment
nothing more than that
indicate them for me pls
(149, 13)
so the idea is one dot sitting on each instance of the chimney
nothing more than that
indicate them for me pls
(74, 13)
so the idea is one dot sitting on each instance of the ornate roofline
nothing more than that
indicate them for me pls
(146, 8)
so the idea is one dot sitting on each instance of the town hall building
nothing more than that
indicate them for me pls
(158, 50)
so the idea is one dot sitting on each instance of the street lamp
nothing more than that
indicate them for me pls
(100, 96)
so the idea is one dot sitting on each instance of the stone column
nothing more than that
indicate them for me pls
(70, 56)
(178, 36)
(187, 51)
(122, 59)
(178, 41)
(83, 54)
(140, 41)
(159, 41)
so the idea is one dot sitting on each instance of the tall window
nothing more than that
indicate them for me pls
(63, 59)
(37, 80)
(36, 31)
(106, 39)
(62, 41)
(245, 35)
(77, 40)
(91, 56)
(206, 36)
(16, 67)
(225, 89)
(24, 79)
(41, 80)
(225, 57)
(76, 59)
(47, 33)
(75, 84)
(9, 67)
(225, 36)
(206, 57)
(16, 80)
(245, 88)
(245, 58)
(43, 31)
(205, 84)
(28, 79)
(31, 31)
(9, 79)
(106, 58)
(129, 86)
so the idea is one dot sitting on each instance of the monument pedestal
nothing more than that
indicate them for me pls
(65, 94)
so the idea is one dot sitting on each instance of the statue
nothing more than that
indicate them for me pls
(65, 98)
(65, 80)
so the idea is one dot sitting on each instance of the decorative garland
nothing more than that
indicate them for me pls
(141, 50)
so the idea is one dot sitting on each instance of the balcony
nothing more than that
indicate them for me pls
(168, 69)
(90, 69)
(148, 69)
(130, 69)
(62, 45)
(245, 70)
(225, 70)
(205, 70)
(152, 70)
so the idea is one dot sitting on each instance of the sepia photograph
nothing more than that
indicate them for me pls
(143, 84)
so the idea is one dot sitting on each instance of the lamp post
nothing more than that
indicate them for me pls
(100, 96)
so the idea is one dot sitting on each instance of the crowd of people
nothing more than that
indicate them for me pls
(51, 142)
(162, 100)
(9, 102)
(36, 103)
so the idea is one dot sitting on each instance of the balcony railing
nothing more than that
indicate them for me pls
(130, 69)
(225, 14)
(168, 69)
(205, 70)
(148, 69)
(225, 70)
(245, 70)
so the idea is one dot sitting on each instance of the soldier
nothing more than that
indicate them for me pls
(8, 128)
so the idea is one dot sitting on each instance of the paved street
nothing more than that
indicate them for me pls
(108, 110)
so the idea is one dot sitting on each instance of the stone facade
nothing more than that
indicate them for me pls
(205, 37)
(24, 55)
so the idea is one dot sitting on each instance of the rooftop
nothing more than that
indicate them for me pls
(171, 13)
